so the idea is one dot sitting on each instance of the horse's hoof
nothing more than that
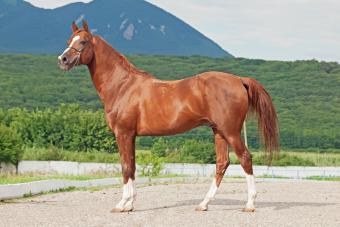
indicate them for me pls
(200, 208)
(128, 209)
(116, 210)
(120, 210)
(248, 209)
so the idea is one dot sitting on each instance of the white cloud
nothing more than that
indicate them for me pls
(267, 29)
(51, 4)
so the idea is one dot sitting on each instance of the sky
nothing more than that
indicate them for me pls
(262, 29)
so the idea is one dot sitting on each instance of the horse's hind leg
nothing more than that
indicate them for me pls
(222, 163)
(246, 163)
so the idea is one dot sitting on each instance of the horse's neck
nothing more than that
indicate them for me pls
(108, 75)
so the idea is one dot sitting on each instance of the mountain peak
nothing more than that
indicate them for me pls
(131, 26)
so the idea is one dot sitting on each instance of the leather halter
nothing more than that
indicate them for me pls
(79, 51)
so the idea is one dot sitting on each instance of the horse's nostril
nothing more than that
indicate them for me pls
(64, 60)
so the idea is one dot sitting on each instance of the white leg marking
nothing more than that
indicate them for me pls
(129, 194)
(251, 191)
(209, 196)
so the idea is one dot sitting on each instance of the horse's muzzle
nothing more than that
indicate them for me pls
(64, 63)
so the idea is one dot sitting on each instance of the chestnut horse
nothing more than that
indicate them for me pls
(138, 104)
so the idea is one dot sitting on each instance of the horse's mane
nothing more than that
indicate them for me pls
(124, 62)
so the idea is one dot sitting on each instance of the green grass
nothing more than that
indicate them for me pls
(49, 154)
(318, 159)
(24, 178)
(290, 158)
(323, 178)
(286, 158)
(295, 158)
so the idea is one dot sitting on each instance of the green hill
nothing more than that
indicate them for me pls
(306, 93)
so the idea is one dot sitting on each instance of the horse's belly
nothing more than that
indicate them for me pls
(171, 110)
(159, 126)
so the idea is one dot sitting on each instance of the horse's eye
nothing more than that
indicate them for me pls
(83, 42)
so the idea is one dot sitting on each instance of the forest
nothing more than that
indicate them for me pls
(306, 94)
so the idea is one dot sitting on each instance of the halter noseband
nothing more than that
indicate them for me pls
(80, 51)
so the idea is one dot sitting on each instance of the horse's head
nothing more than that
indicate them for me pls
(80, 48)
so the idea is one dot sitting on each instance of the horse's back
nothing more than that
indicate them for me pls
(197, 83)
(224, 80)
(180, 105)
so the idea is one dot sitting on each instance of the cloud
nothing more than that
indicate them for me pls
(285, 30)
(51, 4)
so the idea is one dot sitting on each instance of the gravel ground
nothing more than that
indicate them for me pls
(279, 203)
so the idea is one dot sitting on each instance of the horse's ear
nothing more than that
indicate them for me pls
(74, 27)
(85, 26)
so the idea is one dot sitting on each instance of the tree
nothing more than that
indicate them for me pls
(10, 145)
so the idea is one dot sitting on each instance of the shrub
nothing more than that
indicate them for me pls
(10, 145)
(55, 154)
(66, 127)
(150, 164)
(203, 152)
(283, 160)
(159, 148)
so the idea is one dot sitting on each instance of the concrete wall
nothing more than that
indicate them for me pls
(69, 168)
(236, 170)
(206, 170)
(7, 168)
(11, 191)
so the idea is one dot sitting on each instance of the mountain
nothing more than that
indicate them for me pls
(131, 26)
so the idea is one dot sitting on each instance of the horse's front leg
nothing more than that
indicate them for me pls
(126, 145)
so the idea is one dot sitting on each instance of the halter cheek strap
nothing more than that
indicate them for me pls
(79, 50)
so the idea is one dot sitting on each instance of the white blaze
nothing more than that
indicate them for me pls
(75, 39)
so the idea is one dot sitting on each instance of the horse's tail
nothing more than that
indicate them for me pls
(261, 103)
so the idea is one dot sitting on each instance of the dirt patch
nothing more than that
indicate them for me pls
(278, 203)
